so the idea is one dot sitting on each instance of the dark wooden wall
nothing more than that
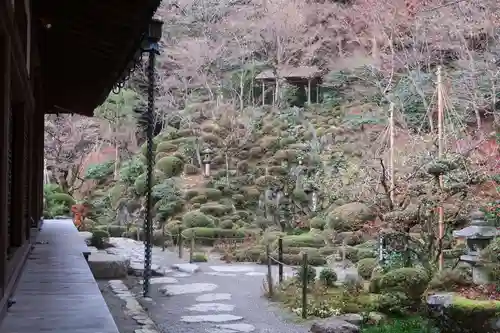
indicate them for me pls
(21, 142)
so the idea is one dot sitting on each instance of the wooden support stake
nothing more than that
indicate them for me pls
(280, 259)
(191, 250)
(440, 155)
(269, 271)
(304, 284)
(391, 154)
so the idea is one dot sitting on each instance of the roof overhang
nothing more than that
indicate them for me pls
(85, 46)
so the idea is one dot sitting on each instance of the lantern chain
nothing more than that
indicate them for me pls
(149, 182)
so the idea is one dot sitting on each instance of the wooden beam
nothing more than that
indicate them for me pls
(4, 152)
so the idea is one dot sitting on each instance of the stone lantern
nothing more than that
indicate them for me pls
(477, 236)
(312, 193)
(207, 160)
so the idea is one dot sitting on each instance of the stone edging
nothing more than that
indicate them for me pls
(133, 307)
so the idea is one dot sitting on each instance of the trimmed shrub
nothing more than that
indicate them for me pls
(366, 266)
(213, 194)
(227, 224)
(215, 209)
(201, 199)
(197, 219)
(62, 199)
(116, 230)
(171, 166)
(165, 147)
(199, 257)
(98, 239)
(408, 280)
(328, 277)
(309, 274)
(208, 236)
(317, 223)
(304, 240)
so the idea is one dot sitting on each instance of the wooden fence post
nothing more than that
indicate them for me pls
(191, 250)
(269, 271)
(179, 243)
(280, 259)
(305, 277)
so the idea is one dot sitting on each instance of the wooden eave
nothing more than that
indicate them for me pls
(85, 46)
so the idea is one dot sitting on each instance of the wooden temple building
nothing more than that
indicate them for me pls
(56, 56)
(307, 80)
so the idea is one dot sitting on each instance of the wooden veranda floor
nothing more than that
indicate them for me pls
(57, 292)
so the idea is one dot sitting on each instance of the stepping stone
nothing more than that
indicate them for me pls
(211, 307)
(218, 330)
(232, 269)
(180, 275)
(238, 327)
(212, 318)
(186, 268)
(220, 274)
(191, 288)
(162, 280)
(255, 273)
(213, 297)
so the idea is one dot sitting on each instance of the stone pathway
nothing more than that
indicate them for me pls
(224, 298)
(210, 297)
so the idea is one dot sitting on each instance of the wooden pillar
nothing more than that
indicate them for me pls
(36, 192)
(18, 185)
(5, 79)
(28, 178)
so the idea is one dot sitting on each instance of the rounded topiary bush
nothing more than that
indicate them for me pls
(213, 194)
(199, 199)
(116, 230)
(317, 223)
(328, 277)
(215, 209)
(227, 224)
(409, 280)
(197, 219)
(140, 182)
(98, 239)
(309, 274)
(171, 166)
(366, 266)
(165, 147)
(208, 236)
(199, 257)
(304, 240)
(61, 198)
